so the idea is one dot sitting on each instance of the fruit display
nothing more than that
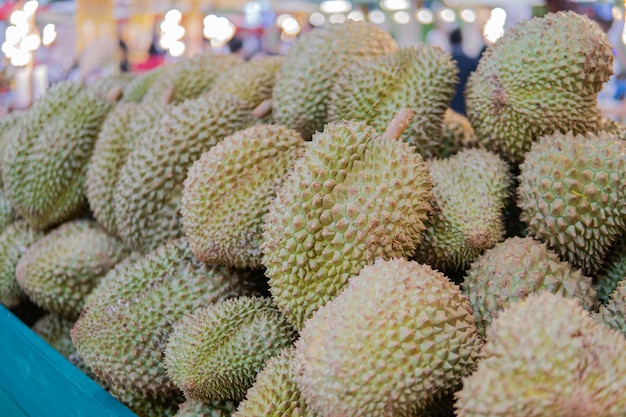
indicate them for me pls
(321, 235)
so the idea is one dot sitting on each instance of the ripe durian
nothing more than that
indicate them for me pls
(215, 353)
(228, 191)
(55, 330)
(470, 192)
(613, 270)
(145, 405)
(190, 77)
(310, 69)
(516, 268)
(59, 270)
(46, 158)
(139, 85)
(572, 195)
(352, 198)
(14, 241)
(8, 123)
(614, 313)
(421, 78)
(121, 334)
(7, 214)
(197, 408)
(545, 356)
(456, 134)
(274, 392)
(399, 337)
(542, 76)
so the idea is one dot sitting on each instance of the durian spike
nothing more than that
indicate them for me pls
(263, 109)
(401, 120)
(115, 93)
(168, 95)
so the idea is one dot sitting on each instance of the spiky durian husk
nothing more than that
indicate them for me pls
(214, 353)
(352, 198)
(122, 333)
(59, 270)
(145, 405)
(400, 330)
(14, 241)
(613, 270)
(572, 195)
(546, 356)
(542, 76)
(421, 78)
(7, 214)
(470, 192)
(456, 134)
(197, 408)
(8, 123)
(55, 330)
(139, 85)
(614, 313)
(516, 268)
(228, 191)
(310, 69)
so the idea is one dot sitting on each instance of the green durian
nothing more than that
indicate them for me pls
(197, 408)
(572, 195)
(139, 85)
(14, 241)
(470, 191)
(421, 78)
(122, 333)
(190, 77)
(214, 353)
(8, 123)
(7, 214)
(147, 406)
(613, 270)
(55, 330)
(515, 269)
(228, 191)
(456, 134)
(59, 270)
(613, 313)
(545, 356)
(397, 339)
(311, 67)
(274, 392)
(46, 158)
(352, 198)
(542, 76)
(150, 184)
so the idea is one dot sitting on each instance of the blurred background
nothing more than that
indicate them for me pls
(47, 41)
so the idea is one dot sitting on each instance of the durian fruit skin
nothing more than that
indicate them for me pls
(115, 142)
(139, 85)
(421, 78)
(545, 356)
(302, 90)
(613, 270)
(55, 330)
(150, 184)
(14, 241)
(542, 76)
(122, 333)
(228, 191)
(352, 198)
(215, 353)
(572, 195)
(275, 393)
(59, 270)
(46, 160)
(197, 408)
(8, 123)
(399, 337)
(517, 268)
(613, 314)
(7, 214)
(190, 77)
(470, 191)
(456, 134)
(147, 406)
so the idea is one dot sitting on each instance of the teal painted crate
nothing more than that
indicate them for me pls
(36, 381)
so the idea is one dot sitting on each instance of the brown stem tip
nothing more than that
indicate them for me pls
(262, 109)
(401, 120)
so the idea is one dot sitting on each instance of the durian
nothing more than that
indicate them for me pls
(614, 313)
(456, 134)
(613, 270)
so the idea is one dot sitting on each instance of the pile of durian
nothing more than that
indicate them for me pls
(320, 235)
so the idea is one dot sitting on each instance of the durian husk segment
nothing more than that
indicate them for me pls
(228, 191)
(190, 77)
(470, 191)
(7, 214)
(215, 353)
(150, 184)
(275, 393)
(145, 405)
(399, 337)
(8, 122)
(55, 330)
(14, 241)
(197, 408)
(421, 78)
(613, 270)
(613, 314)
(352, 198)
(542, 76)
(572, 195)
(59, 270)
(46, 160)
(122, 333)
(115, 142)
(310, 69)
(546, 356)
(457, 134)
(139, 85)
(516, 268)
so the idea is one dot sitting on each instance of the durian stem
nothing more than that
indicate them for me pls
(401, 120)
(262, 109)
(115, 93)
(168, 95)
